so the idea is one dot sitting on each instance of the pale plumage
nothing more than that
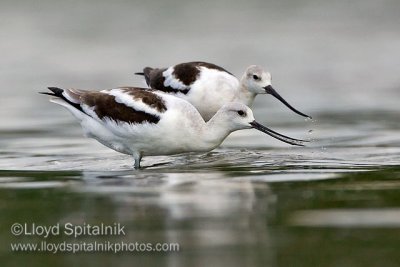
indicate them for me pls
(142, 122)
(208, 87)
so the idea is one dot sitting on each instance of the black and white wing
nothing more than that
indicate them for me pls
(178, 78)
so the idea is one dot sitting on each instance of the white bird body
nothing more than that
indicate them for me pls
(208, 87)
(142, 122)
(222, 88)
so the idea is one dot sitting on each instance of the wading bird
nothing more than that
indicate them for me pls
(208, 87)
(142, 122)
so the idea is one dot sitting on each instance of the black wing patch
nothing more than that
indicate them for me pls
(155, 79)
(105, 106)
(185, 73)
(147, 97)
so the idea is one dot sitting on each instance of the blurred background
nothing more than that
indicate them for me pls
(254, 201)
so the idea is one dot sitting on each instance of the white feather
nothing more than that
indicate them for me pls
(172, 81)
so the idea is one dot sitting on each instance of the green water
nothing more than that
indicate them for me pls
(222, 221)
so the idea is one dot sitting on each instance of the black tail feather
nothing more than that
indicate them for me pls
(146, 73)
(58, 92)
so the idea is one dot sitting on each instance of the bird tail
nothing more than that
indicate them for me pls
(146, 73)
(68, 97)
(55, 91)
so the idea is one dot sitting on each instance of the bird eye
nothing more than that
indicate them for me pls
(241, 113)
(255, 77)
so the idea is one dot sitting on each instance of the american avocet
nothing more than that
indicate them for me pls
(208, 87)
(142, 122)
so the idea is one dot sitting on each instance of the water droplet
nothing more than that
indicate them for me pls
(310, 120)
